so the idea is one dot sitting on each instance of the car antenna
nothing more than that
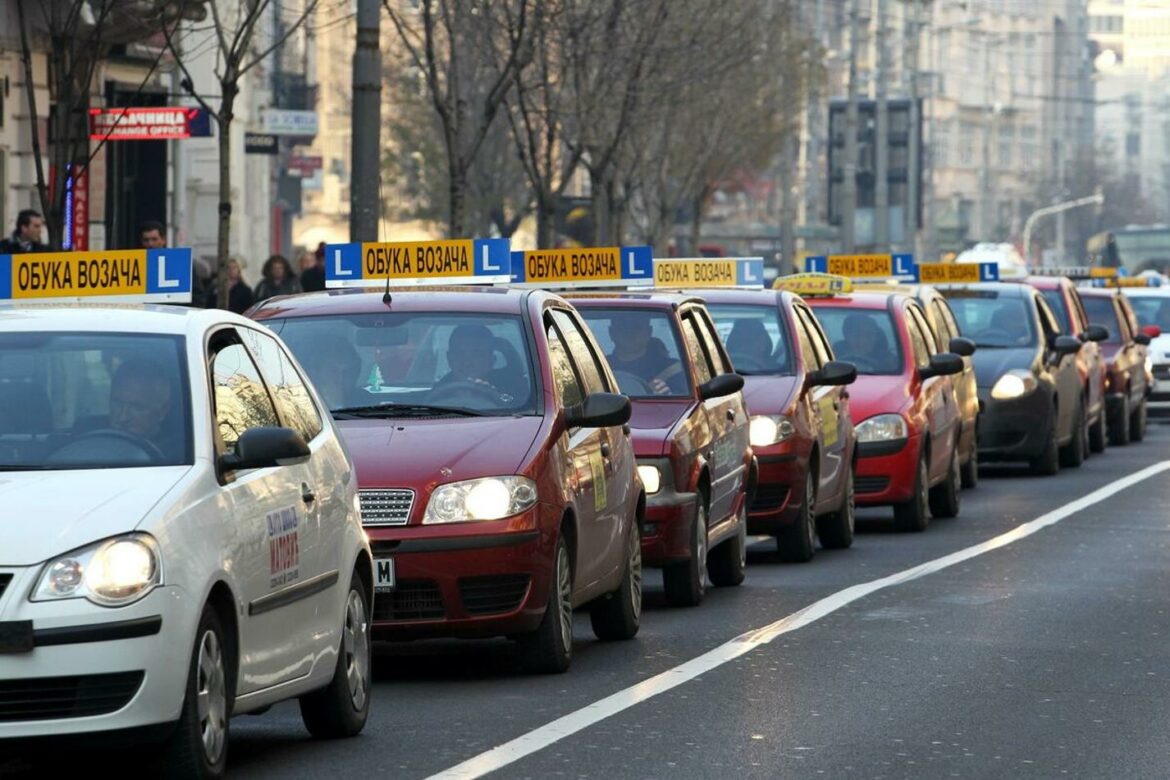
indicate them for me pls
(386, 299)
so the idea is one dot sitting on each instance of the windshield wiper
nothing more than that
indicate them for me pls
(391, 409)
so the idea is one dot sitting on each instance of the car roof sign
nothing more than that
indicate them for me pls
(1076, 272)
(418, 263)
(877, 266)
(952, 273)
(100, 276)
(627, 266)
(683, 273)
(813, 284)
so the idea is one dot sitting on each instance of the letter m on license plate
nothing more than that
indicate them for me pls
(383, 575)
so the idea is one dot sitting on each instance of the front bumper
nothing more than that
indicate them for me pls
(666, 533)
(94, 669)
(1014, 430)
(779, 492)
(1160, 387)
(469, 581)
(885, 472)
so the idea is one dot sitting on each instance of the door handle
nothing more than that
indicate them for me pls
(605, 449)
(307, 494)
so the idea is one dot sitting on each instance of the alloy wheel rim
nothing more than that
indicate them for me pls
(850, 507)
(924, 480)
(565, 596)
(356, 647)
(701, 544)
(810, 517)
(635, 564)
(211, 697)
(743, 537)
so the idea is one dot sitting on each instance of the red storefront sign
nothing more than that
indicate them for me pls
(141, 124)
(77, 209)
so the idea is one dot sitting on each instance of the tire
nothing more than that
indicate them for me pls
(340, 709)
(1119, 433)
(617, 615)
(836, 530)
(1072, 455)
(198, 746)
(727, 563)
(686, 581)
(797, 543)
(914, 515)
(1047, 463)
(549, 649)
(970, 471)
(1137, 422)
(1098, 437)
(944, 497)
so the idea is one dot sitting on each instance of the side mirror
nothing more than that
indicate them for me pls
(1142, 338)
(260, 448)
(963, 347)
(1095, 333)
(942, 364)
(835, 372)
(1066, 345)
(722, 385)
(599, 410)
(1153, 331)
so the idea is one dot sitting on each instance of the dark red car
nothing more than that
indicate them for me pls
(1125, 348)
(690, 433)
(497, 481)
(801, 429)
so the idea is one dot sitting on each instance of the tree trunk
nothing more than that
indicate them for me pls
(31, 96)
(601, 209)
(457, 201)
(546, 214)
(698, 210)
(223, 241)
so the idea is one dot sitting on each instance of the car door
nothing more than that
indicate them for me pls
(613, 482)
(938, 393)
(1094, 361)
(1063, 369)
(579, 451)
(731, 410)
(965, 385)
(276, 559)
(1138, 352)
(831, 412)
(715, 410)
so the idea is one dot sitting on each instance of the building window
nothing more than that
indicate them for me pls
(967, 133)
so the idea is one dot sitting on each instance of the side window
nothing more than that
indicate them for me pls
(944, 329)
(1047, 320)
(569, 387)
(918, 338)
(582, 353)
(1130, 319)
(812, 361)
(1082, 319)
(928, 332)
(712, 342)
(288, 388)
(241, 400)
(816, 337)
(695, 347)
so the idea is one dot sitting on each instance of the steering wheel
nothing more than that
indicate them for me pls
(455, 389)
(864, 363)
(148, 448)
(750, 362)
(631, 384)
(998, 335)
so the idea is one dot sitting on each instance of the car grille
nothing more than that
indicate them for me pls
(769, 497)
(410, 600)
(4, 580)
(870, 484)
(1162, 372)
(46, 698)
(386, 507)
(493, 595)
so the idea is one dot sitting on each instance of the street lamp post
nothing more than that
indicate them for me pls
(1058, 208)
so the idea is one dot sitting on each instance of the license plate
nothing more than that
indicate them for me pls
(16, 636)
(383, 575)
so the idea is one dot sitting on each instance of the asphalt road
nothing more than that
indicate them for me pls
(1043, 656)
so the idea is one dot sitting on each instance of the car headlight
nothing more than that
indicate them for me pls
(489, 498)
(651, 478)
(766, 430)
(111, 573)
(1013, 384)
(883, 427)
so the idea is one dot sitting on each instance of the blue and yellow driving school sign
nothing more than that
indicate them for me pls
(699, 272)
(952, 273)
(627, 266)
(861, 266)
(411, 264)
(106, 276)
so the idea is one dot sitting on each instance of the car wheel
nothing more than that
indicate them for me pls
(1047, 462)
(686, 581)
(1120, 428)
(727, 563)
(1072, 455)
(549, 649)
(797, 543)
(198, 746)
(914, 515)
(1137, 423)
(617, 615)
(970, 471)
(1098, 439)
(944, 497)
(340, 709)
(836, 530)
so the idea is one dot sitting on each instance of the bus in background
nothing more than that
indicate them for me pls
(1135, 248)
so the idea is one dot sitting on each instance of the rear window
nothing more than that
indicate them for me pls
(864, 337)
(992, 320)
(1101, 311)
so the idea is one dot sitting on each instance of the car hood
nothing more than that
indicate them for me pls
(1160, 348)
(416, 453)
(872, 395)
(769, 394)
(992, 363)
(652, 423)
(49, 513)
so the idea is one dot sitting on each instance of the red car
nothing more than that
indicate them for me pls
(801, 429)
(907, 417)
(1125, 348)
(497, 483)
(690, 433)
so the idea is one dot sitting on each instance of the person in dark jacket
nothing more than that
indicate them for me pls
(239, 293)
(27, 236)
(278, 279)
(312, 271)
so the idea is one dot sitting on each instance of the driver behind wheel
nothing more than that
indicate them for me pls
(471, 357)
(637, 352)
(750, 343)
(140, 398)
(864, 343)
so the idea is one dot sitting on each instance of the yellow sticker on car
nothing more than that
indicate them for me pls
(829, 421)
(600, 489)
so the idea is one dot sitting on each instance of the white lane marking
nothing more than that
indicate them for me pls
(554, 731)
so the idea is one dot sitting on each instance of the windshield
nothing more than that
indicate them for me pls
(415, 363)
(1101, 311)
(992, 320)
(643, 351)
(756, 339)
(864, 337)
(1152, 310)
(1055, 301)
(93, 400)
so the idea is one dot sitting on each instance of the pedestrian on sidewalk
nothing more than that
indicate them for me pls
(26, 238)
(312, 270)
(239, 293)
(278, 279)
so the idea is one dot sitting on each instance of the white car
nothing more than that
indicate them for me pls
(1152, 307)
(180, 538)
